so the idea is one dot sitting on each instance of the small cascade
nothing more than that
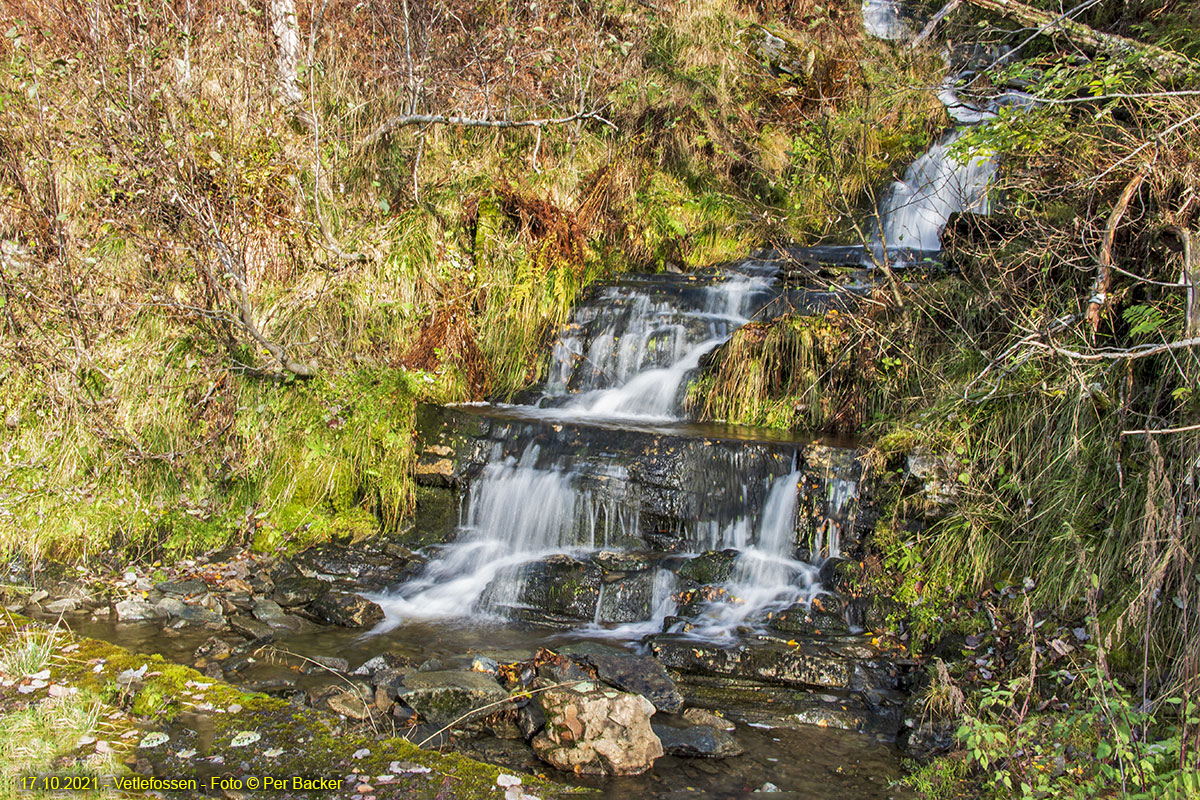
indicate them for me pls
(766, 576)
(516, 512)
(580, 512)
(881, 19)
(628, 354)
(939, 183)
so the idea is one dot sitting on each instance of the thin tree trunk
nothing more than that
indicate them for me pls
(285, 30)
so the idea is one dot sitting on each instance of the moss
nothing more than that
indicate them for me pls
(314, 743)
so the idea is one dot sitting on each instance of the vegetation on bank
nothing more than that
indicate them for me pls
(219, 305)
(1042, 541)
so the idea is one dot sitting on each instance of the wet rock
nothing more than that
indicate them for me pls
(593, 730)
(348, 610)
(530, 719)
(697, 741)
(169, 606)
(135, 609)
(562, 670)
(198, 615)
(318, 665)
(484, 664)
(182, 588)
(213, 649)
(702, 716)
(447, 696)
(622, 560)
(251, 628)
(711, 567)
(431, 665)
(387, 660)
(825, 614)
(630, 672)
(808, 664)
(272, 614)
(626, 598)
(388, 684)
(63, 606)
(559, 590)
(348, 704)
(297, 590)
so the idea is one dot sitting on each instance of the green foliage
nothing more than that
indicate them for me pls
(1104, 744)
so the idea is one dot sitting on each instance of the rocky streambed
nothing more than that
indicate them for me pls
(799, 705)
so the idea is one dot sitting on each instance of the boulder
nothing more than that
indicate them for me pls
(593, 730)
(697, 741)
(711, 567)
(630, 672)
(251, 628)
(444, 697)
(626, 598)
(559, 590)
(348, 610)
(135, 609)
(297, 590)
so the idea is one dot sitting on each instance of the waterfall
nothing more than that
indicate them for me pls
(766, 576)
(566, 498)
(881, 19)
(939, 183)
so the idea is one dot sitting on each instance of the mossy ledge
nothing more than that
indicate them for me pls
(195, 713)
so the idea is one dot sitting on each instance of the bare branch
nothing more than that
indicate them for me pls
(1103, 280)
(1158, 431)
(1117, 354)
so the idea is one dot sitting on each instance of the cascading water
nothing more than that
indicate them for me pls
(561, 500)
(939, 183)
(881, 18)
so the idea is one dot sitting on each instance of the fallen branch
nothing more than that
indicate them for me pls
(1190, 278)
(931, 26)
(470, 122)
(1103, 280)
(1157, 431)
(1086, 37)
(1116, 354)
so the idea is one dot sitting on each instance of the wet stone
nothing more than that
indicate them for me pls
(387, 660)
(251, 628)
(592, 730)
(347, 610)
(630, 672)
(702, 716)
(182, 588)
(214, 649)
(444, 696)
(708, 568)
(318, 665)
(697, 741)
(135, 609)
(297, 590)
